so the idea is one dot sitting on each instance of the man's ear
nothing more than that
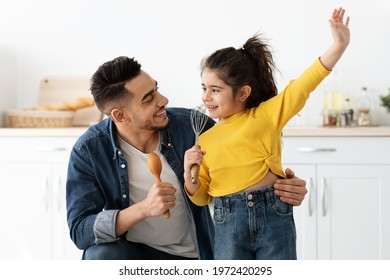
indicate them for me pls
(245, 91)
(118, 115)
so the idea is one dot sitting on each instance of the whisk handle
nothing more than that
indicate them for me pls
(195, 171)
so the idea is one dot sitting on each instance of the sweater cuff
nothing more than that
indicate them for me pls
(319, 65)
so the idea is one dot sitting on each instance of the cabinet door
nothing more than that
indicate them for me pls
(305, 215)
(353, 212)
(32, 201)
(25, 210)
(63, 247)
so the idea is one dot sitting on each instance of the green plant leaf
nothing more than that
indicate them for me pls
(385, 101)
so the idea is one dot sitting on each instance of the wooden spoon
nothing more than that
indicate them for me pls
(155, 167)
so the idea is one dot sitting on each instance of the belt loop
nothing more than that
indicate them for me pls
(268, 198)
(226, 203)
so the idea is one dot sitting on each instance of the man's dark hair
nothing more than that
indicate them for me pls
(108, 82)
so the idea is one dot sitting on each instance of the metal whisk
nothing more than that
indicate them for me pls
(198, 121)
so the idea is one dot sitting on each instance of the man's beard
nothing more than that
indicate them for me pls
(147, 126)
(159, 128)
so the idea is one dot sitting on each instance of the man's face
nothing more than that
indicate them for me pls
(146, 109)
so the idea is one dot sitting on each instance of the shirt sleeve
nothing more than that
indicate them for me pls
(201, 197)
(104, 226)
(87, 221)
(292, 99)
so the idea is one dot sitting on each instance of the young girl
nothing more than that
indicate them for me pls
(243, 158)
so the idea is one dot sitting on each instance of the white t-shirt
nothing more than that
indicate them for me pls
(168, 235)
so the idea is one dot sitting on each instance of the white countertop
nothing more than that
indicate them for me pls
(42, 132)
(313, 131)
(298, 131)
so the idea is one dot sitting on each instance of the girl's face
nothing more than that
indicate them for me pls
(218, 96)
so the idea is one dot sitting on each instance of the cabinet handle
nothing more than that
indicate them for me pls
(46, 194)
(315, 150)
(58, 194)
(50, 149)
(323, 196)
(310, 190)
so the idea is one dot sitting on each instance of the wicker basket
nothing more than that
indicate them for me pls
(36, 118)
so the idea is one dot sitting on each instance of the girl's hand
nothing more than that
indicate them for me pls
(193, 156)
(341, 37)
(339, 28)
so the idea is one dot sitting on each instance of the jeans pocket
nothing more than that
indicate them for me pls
(282, 208)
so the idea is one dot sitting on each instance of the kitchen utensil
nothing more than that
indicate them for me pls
(198, 119)
(155, 166)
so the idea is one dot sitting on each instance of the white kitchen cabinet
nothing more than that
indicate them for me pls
(32, 181)
(346, 214)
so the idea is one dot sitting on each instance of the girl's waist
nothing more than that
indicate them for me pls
(269, 179)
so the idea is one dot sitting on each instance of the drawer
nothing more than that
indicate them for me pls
(36, 149)
(348, 150)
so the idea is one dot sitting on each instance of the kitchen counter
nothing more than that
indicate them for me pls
(42, 132)
(292, 131)
(313, 131)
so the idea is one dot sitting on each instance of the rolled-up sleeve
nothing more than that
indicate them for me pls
(104, 226)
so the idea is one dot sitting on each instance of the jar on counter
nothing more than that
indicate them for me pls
(329, 118)
(348, 111)
(363, 106)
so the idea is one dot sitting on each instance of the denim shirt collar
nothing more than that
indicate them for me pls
(113, 136)
(165, 139)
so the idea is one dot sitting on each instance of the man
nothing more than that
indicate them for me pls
(115, 209)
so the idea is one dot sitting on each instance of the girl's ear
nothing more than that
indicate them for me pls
(118, 115)
(245, 91)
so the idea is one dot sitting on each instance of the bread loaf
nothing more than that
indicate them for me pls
(76, 104)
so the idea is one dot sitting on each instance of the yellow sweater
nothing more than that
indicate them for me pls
(242, 148)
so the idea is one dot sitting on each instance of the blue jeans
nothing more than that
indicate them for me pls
(254, 225)
(126, 250)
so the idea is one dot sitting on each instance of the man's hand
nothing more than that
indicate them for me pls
(161, 197)
(291, 190)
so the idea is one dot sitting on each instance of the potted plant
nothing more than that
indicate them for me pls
(385, 101)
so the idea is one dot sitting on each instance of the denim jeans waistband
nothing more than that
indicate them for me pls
(263, 195)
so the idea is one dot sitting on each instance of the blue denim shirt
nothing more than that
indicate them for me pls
(97, 185)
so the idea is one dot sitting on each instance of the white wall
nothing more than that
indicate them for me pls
(169, 38)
